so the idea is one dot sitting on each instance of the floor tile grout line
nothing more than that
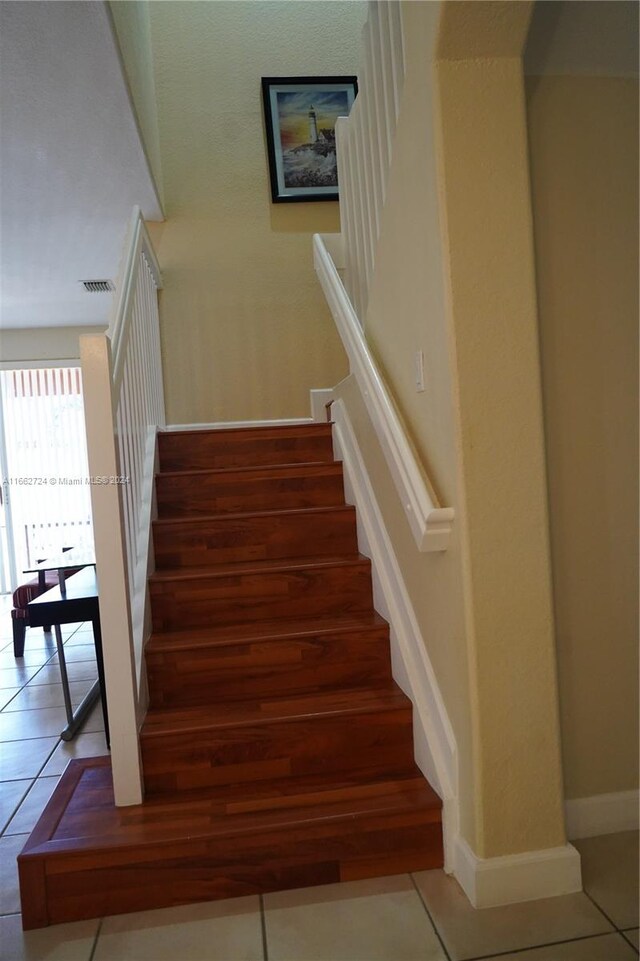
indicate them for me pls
(428, 913)
(623, 934)
(534, 947)
(263, 924)
(95, 940)
(3, 833)
(601, 910)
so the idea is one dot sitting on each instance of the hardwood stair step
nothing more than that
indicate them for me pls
(190, 542)
(88, 858)
(306, 658)
(286, 486)
(260, 590)
(245, 446)
(369, 730)
(258, 631)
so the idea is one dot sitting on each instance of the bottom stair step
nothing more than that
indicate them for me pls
(86, 858)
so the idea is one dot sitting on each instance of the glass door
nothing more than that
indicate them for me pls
(46, 495)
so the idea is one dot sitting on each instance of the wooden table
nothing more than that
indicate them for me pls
(75, 599)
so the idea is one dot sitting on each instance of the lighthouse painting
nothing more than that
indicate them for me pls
(300, 116)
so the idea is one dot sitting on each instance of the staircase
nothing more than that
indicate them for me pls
(277, 750)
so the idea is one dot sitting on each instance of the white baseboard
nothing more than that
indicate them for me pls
(587, 817)
(319, 401)
(234, 424)
(490, 882)
(434, 741)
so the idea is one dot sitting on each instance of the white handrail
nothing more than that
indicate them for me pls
(124, 406)
(430, 523)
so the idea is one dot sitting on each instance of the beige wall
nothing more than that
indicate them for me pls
(245, 330)
(42, 344)
(407, 313)
(455, 277)
(133, 30)
(584, 162)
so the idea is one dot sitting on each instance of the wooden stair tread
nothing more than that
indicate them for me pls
(229, 518)
(278, 751)
(160, 722)
(260, 470)
(256, 567)
(260, 631)
(90, 820)
(267, 432)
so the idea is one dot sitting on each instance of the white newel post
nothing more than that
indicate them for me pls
(111, 566)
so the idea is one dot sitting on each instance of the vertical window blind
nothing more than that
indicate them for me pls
(46, 457)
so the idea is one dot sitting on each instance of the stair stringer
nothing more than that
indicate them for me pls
(434, 741)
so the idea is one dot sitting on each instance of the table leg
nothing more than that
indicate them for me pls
(62, 663)
(97, 638)
(75, 719)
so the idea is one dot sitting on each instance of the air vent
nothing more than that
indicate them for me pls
(98, 286)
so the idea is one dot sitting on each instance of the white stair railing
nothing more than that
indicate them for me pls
(124, 407)
(364, 142)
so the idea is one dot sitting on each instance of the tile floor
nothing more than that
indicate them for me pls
(424, 917)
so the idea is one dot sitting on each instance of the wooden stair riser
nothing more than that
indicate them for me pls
(239, 492)
(244, 448)
(313, 592)
(270, 668)
(220, 540)
(114, 882)
(375, 744)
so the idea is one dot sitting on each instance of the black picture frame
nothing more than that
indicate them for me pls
(301, 134)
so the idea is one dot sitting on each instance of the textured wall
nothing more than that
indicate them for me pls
(584, 163)
(245, 330)
(42, 344)
(133, 30)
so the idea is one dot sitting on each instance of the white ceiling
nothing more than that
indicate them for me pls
(72, 164)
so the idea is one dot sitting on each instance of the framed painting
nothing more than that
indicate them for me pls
(300, 117)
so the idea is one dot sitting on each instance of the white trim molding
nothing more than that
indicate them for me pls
(587, 817)
(435, 746)
(235, 424)
(490, 882)
(430, 523)
(319, 400)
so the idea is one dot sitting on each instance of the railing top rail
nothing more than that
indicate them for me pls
(137, 241)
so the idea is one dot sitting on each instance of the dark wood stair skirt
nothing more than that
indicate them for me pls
(88, 858)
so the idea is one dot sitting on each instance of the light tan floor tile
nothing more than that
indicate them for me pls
(632, 936)
(22, 759)
(608, 947)
(610, 874)
(77, 652)
(16, 676)
(10, 848)
(47, 695)
(82, 636)
(37, 640)
(377, 920)
(23, 725)
(83, 745)
(60, 942)
(24, 820)
(215, 931)
(77, 671)
(7, 695)
(11, 794)
(30, 657)
(469, 933)
(95, 719)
